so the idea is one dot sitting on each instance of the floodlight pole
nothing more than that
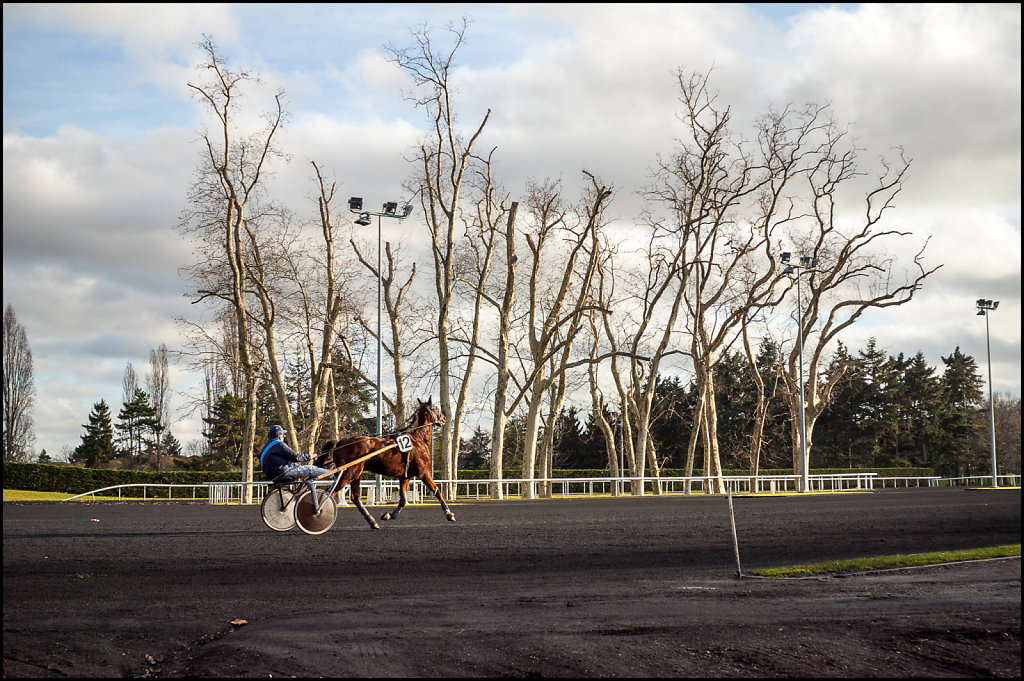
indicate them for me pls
(797, 270)
(355, 205)
(800, 345)
(984, 307)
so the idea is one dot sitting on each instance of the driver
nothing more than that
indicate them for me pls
(278, 459)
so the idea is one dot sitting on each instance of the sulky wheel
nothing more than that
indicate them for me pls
(278, 510)
(309, 519)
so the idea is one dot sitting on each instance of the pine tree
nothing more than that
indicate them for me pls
(840, 434)
(224, 433)
(136, 420)
(961, 414)
(476, 451)
(97, 445)
(921, 409)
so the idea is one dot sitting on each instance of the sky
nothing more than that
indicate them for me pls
(101, 143)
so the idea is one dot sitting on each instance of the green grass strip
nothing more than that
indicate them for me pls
(27, 495)
(888, 562)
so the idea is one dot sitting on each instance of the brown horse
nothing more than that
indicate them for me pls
(393, 463)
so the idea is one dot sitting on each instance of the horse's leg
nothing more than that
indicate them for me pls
(403, 485)
(429, 480)
(339, 493)
(357, 500)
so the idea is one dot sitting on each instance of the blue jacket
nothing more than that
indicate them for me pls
(276, 455)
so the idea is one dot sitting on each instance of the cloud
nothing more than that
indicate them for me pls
(143, 29)
(100, 142)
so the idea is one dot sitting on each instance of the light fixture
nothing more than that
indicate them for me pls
(355, 203)
(390, 207)
(984, 307)
(785, 256)
(363, 219)
(407, 211)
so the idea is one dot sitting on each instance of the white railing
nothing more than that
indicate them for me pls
(564, 487)
(514, 488)
(921, 481)
(1006, 480)
(145, 496)
(234, 492)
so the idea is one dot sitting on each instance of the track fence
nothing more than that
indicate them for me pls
(386, 491)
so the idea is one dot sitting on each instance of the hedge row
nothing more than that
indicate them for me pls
(72, 480)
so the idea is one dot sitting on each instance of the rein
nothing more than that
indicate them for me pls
(353, 463)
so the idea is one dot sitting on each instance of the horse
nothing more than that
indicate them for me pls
(393, 463)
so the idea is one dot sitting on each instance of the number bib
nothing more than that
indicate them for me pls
(404, 443)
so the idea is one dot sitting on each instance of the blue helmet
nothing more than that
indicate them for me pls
(276, 432)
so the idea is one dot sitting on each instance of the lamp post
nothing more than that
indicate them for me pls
(389, 210)
(805, 263)
(984, 307)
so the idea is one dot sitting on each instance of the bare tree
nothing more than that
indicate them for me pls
(321, 356)
(129, 383)
(728, 199)
(856, 270)
(158, 385)
(766, 382)
(228, 181)
(444, 158)
(638, 335)
(555, 308)
(504, 306)
(19, 390)
(268, 237)
(596, 316)
(395, 295)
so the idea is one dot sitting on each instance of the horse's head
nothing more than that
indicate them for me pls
(428, 413)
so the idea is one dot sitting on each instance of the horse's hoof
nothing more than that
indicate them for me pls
(451, 517)
(375, 526)
(386, 516)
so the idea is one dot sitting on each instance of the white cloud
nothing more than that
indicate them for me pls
(98, 156)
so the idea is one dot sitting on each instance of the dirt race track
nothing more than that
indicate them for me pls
(554, 588)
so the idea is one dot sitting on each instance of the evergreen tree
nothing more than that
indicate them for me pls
(136, 420)
(515, 438)
(736, 402)
(962, 416)
(573, 446)
(873, 404)
(475, 453)
(921, 407)
(355, 398)
(672, 419)
(776, 448)
(171, 446)
(224, 433)
(97, 446)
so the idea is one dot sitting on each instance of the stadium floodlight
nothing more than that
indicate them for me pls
(390, 210)
(984, 307)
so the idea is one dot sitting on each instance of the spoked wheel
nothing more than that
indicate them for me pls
(306, 516)
(278, 510)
